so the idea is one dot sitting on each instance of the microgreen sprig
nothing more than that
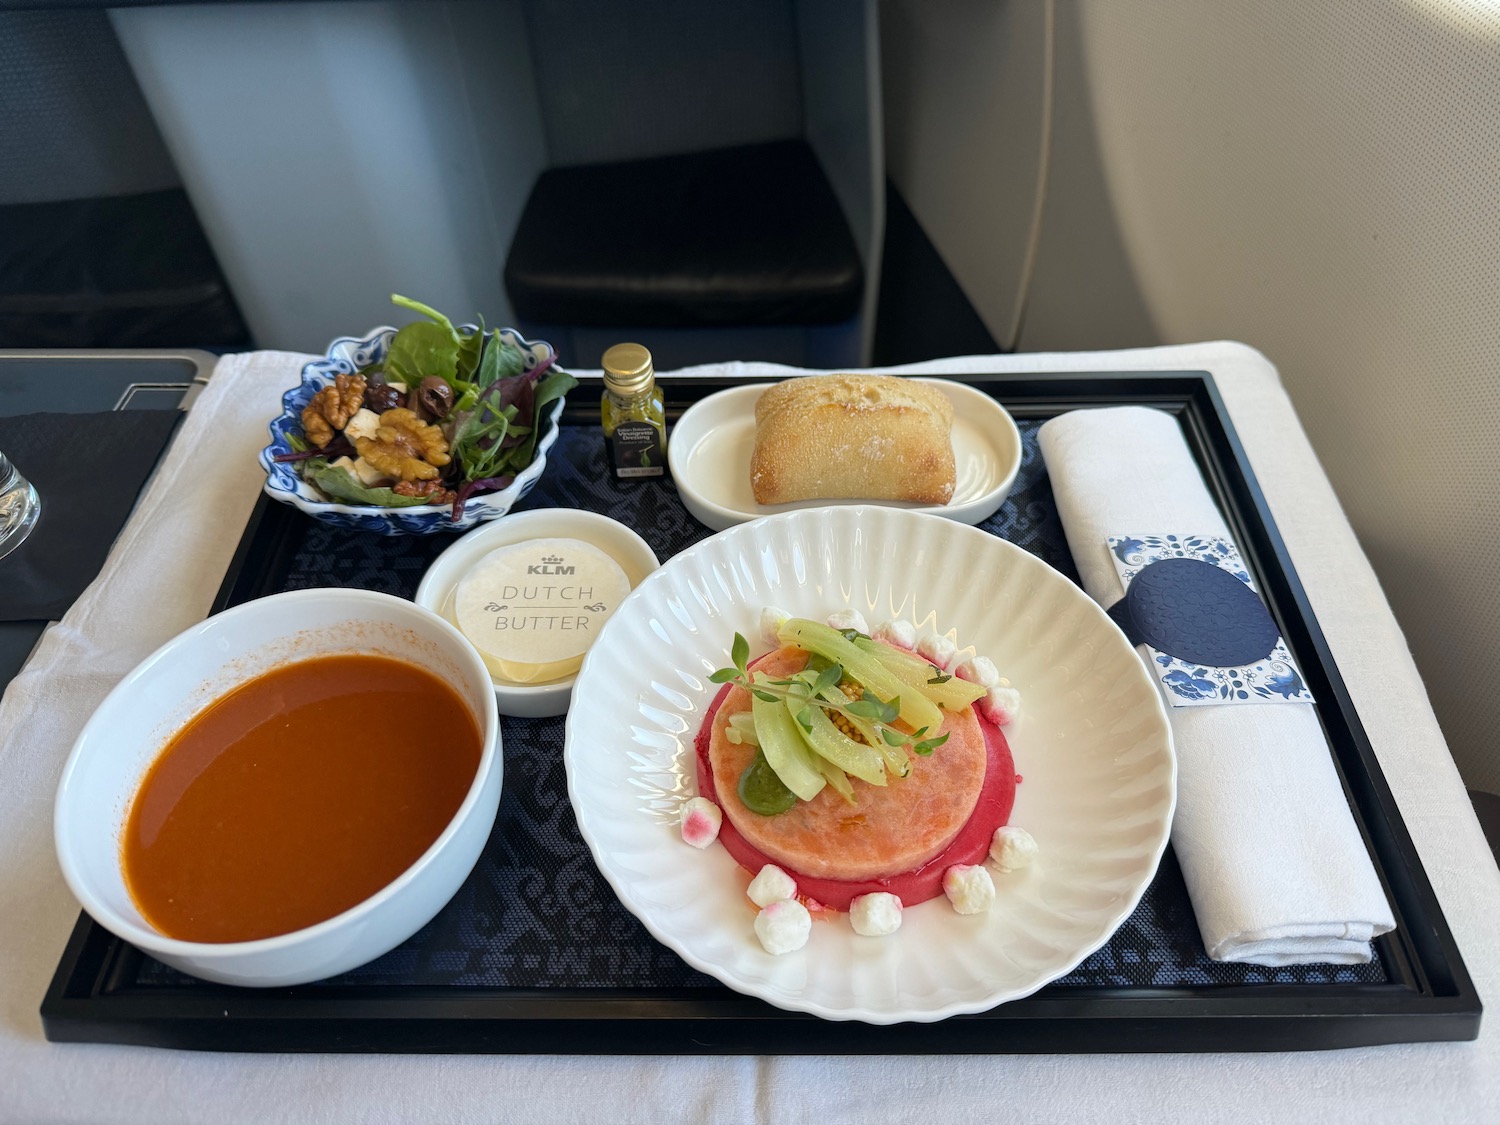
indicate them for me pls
(870, 708)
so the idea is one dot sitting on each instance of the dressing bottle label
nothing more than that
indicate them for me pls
(635, 450)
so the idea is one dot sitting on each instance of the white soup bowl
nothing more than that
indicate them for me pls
(159, 697)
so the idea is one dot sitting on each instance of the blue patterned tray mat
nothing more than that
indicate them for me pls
(536, 914)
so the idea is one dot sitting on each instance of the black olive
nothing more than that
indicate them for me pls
(435, 396)
(383, 397)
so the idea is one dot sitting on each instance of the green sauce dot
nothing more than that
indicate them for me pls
(762, 791)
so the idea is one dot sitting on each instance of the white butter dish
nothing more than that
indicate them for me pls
(439, 586)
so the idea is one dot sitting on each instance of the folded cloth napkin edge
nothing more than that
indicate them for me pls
(1114, 466)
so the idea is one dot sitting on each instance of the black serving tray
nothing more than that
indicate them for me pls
(577, 974)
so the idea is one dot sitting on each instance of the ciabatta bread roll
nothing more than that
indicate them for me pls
(852, 437)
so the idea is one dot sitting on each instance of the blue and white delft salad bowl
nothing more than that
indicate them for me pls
(345, 356)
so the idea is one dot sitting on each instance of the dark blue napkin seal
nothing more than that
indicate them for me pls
(1198, 612)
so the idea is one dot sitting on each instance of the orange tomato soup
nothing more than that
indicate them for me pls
(296, 796)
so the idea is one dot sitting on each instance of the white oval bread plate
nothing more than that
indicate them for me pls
(1092, 745)
(710, 446)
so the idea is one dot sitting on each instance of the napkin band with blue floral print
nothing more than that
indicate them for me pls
(1190, 600)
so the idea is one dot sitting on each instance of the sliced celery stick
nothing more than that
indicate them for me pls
(782, 744)
(916, 708)
(953, 693)
(831, 743)
(896, 759)
(837, 779)
(741, 728)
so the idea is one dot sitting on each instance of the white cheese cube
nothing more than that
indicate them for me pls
(364, 424)
(938, 651)
(1012, 848)
(361, 470)
(1000, 705)
(848, 619)
(369, 475)
(783, 926)
(981, 670)
(969, 888)
(875, 915)
(902, 634)
(772, 618)
(771, 885)
(700, 822)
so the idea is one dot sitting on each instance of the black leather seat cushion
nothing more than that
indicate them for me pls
(128, 271)
(742, 236)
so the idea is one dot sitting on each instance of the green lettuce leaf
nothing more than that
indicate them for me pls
(426, 310)
(343, 486)
(509, 358)
(470, 344)
(500, 361)
(424, 347)
(477, 442)
(553, 386)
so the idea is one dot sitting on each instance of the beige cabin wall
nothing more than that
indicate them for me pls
(1318, 179)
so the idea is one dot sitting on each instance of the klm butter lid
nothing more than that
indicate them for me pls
(532, 609)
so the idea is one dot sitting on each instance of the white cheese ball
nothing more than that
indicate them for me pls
(1012, 848)
(902, 634)
(771, 885)
(969, 888)
(783, 926)
(700, 822)
(938, 651)
(772, 618)
(1000, 705)
(981, 670)
(848, 619)
(875, 915)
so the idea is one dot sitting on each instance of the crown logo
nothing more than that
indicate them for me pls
(552, 560)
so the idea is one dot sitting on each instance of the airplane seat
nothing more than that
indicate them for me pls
(739, 248)
(99, 245)
(721, 208)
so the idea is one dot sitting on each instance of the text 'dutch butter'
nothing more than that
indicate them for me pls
(533, 609)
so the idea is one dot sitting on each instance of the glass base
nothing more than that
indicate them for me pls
(19, 508)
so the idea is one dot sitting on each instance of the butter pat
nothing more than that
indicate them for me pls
(532, 609)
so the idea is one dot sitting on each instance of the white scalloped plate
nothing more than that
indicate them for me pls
(1092, 744)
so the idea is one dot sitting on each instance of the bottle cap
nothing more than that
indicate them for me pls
(627, 369)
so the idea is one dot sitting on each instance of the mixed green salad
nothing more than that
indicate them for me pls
(450, 413)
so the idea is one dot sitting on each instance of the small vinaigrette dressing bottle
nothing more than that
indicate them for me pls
(633, 414)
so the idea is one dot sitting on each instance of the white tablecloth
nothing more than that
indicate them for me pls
(162, 576)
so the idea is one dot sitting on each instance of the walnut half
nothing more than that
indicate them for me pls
(332, 407)
(405, 447)
(432, 490)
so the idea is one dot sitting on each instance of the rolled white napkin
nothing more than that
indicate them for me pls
(1273, 861)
